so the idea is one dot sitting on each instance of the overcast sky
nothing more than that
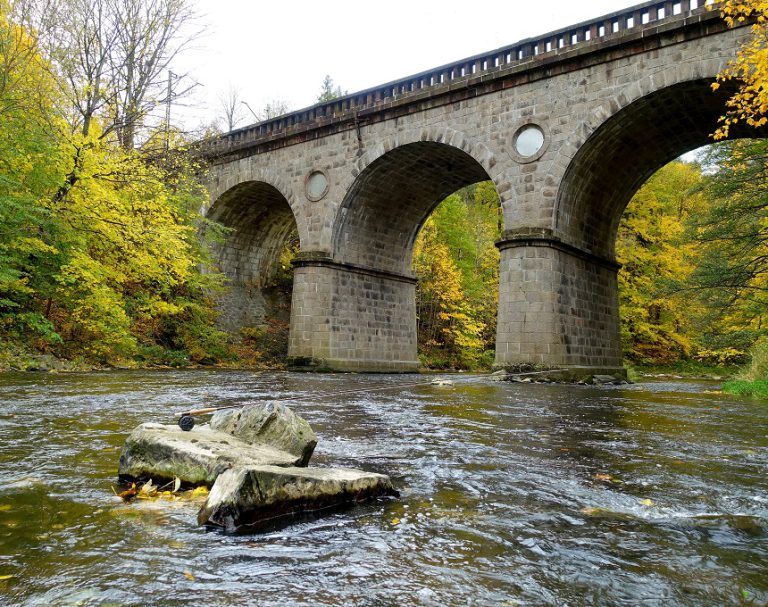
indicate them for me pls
(282, 50)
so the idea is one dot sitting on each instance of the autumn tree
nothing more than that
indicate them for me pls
(231, 105)
(657, 257)
(112, 58)
(31, 168)
(456, 262)
(750, 67)
(99, 248)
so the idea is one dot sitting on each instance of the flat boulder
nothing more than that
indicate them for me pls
(198, 457)
(266, 496)
(269, 424)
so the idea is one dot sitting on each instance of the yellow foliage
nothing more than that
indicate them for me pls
(750, 67)
(655, 255)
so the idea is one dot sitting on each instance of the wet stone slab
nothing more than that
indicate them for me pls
(254, 498)
(198, 457)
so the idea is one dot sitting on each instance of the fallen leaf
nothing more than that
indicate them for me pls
(128, 494)
(148, 489)
(189, 576)
(5, 507)
(5, 578)
(395, 521)
(176, 484)
(604, 477)
(648, 502)
(199, 491)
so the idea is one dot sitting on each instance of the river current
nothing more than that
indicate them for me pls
(654, 494)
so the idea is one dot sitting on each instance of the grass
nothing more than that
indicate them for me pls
(747, 388)
(683, 368)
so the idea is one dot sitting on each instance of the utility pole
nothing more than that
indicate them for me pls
(168, 112)
(250, 109)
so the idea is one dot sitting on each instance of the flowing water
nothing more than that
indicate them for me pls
(512, 494)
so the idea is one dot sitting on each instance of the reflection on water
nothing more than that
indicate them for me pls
(511, 495)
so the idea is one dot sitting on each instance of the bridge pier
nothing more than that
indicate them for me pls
(558, 305)
(350, 318)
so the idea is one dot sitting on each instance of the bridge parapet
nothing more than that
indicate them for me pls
(631, 23)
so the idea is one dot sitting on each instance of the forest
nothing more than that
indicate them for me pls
(102, 260)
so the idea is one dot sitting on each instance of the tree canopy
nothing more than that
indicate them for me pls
(99, 250)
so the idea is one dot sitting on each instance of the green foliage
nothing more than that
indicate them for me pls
(328, 92)
(731, 277)
(758, 364)
(31, 168)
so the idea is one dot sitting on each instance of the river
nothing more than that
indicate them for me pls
(512, 495)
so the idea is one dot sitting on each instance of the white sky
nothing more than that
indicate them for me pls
(282, 50)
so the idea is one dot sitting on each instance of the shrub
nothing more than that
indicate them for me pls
(758, 365)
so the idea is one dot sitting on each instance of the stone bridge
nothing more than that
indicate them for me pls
(567, 126)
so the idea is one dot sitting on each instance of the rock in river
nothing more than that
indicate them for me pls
(198, 457)
(271, 424)
(266, 495)
(254, 460)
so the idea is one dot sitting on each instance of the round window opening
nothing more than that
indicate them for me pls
(529, 140)
(317, 185)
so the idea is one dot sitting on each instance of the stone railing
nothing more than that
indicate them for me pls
(647, 15)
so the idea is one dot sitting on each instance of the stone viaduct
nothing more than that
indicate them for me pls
(567, 126)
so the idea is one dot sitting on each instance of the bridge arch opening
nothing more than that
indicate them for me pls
(367, 288)
(260, 228)
(391, 199)
(456, 263)
(610, 167)
(626, 150)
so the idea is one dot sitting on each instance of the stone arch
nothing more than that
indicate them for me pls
(260, 223)
(622, 144)
(398, 183)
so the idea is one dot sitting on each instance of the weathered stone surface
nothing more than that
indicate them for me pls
(271, 424)
(198, 457)
(267, 495)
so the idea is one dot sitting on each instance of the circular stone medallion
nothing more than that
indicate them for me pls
(529, 140)
(529, 143)
(316, 185)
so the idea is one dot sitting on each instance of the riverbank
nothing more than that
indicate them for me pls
(16, 358)
(684, 369)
